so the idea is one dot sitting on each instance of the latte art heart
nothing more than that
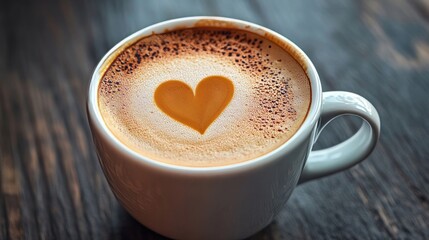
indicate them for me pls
(197, 110)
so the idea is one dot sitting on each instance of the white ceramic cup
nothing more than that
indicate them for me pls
(237, 200)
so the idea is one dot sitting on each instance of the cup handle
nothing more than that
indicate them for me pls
(353, 150)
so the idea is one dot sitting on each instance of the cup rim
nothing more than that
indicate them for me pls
(96, 120)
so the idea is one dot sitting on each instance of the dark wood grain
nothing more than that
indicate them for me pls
(51, 185)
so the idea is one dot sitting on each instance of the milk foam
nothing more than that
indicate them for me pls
(270, 101)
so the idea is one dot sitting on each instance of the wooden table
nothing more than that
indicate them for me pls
(51, 184)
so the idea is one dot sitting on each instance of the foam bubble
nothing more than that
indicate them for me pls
(270, 102)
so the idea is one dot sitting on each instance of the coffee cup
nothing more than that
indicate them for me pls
(236, 200)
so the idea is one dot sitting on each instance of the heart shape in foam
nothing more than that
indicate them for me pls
(199, 110)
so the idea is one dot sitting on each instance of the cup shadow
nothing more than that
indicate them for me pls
(129, 228)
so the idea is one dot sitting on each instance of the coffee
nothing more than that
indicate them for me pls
(204, 97)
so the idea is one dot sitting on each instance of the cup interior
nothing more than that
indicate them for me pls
(218, 22)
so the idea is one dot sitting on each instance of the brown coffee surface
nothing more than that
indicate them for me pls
(270, 100)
